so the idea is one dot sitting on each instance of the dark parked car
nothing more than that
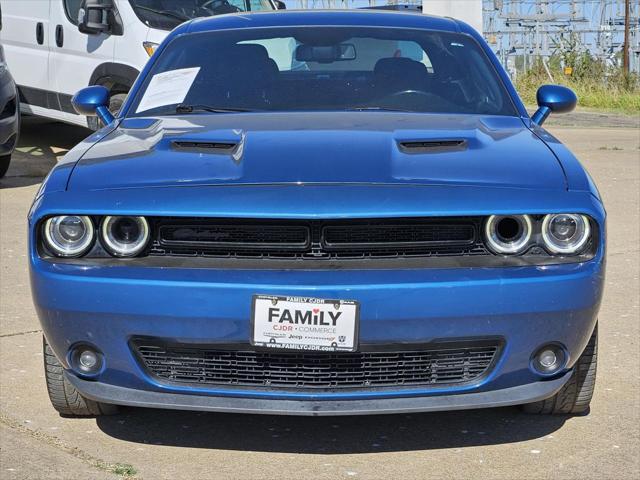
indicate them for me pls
(9, 115)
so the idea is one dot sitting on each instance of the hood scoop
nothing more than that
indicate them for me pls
(320, 148)
(432, 146)
(205, 146)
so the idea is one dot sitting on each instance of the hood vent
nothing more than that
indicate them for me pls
(431, 146)
(213, 147)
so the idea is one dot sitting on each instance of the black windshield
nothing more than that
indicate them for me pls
(326, 68)
(168, 14)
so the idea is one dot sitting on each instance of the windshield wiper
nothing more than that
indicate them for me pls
(381, 109)
(184, 108)
(166, 13)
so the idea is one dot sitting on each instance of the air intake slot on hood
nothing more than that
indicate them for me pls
(431, 146)
(213, 147)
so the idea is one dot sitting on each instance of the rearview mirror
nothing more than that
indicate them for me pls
(93, 101)
(326, 53)
(553, 98)
(93, 16)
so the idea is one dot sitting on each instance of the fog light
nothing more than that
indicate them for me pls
(86, 360)
(549, 359)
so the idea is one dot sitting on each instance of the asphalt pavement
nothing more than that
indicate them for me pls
(35, 442)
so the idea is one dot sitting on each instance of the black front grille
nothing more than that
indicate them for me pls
(360, 238)
(232, 236)
(401, 235)
(431, 365)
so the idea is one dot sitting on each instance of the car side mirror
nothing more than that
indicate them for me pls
(93, 101)
(93, 16)
(281, 5)
(553, 98)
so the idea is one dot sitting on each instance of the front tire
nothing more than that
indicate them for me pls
(63, 395)
(574, 398)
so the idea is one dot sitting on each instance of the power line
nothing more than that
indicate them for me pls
(526, 30)
(522, 31)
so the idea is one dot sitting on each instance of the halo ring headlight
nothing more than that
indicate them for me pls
(68, 235)
(565, 233)
(124, 236)
(508, 234)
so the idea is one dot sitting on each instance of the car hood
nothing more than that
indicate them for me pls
(319, 148)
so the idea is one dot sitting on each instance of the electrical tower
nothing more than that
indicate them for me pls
(522, 32)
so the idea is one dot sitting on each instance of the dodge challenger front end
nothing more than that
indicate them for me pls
(319, 214)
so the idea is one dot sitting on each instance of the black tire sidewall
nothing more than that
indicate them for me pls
(115, 104)
(5, 161)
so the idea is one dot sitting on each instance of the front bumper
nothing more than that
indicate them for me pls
(496, 398)
(525, 306)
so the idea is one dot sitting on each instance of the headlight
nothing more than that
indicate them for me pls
(124, 236)
(565, 233)
(508, 234)
(68, 235)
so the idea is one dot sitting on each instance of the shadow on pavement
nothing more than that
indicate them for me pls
(41, 144)
(328, 435)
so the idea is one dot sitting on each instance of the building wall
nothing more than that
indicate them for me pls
(469, 11)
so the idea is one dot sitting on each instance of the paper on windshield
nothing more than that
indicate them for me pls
(168, 88)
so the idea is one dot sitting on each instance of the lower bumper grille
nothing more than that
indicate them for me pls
(434, 364)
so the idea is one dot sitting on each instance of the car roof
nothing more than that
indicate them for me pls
(362, 18)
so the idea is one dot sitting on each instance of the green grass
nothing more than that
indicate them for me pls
(124, 470)
(613, 94)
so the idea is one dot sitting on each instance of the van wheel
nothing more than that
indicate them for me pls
(115, 104)
(5, 160)
(575, 397)
(64, 396)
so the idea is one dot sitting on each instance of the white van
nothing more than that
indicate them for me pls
(54, 48)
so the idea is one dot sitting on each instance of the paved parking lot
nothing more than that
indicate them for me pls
(501, 443)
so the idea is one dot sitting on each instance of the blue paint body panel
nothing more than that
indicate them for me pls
(319, 166)
(310, 148)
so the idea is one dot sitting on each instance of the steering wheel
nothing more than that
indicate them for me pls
(220, 4)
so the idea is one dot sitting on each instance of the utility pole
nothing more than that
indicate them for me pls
(625, 53)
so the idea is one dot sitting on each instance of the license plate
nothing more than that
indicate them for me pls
(301, 323)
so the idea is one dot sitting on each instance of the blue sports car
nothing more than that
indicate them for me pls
(320, 213)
